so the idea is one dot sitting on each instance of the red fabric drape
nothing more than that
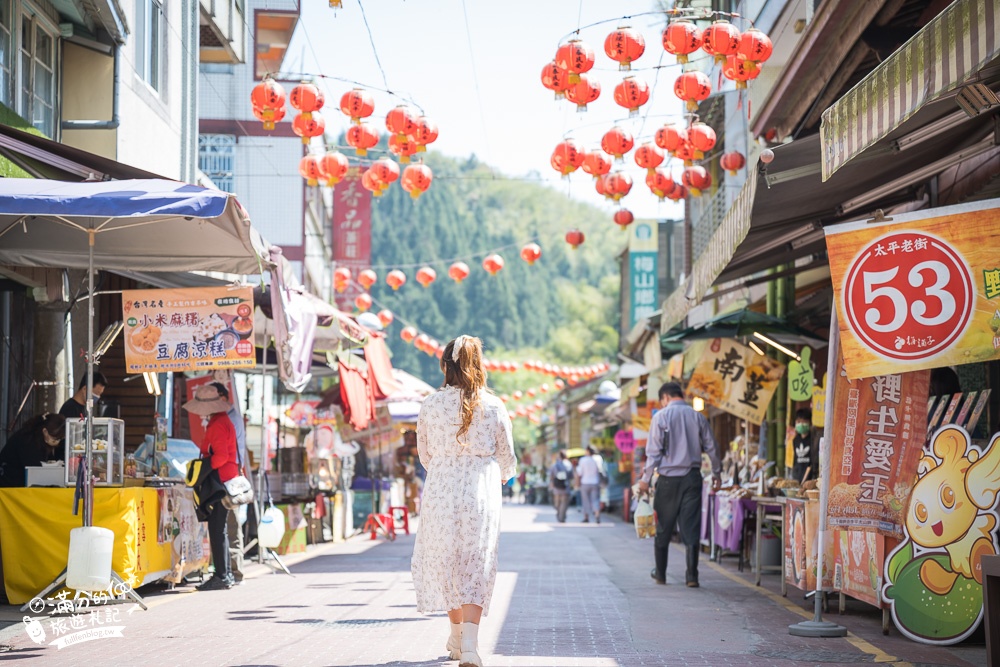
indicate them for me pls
(380, 368)
(356, 397)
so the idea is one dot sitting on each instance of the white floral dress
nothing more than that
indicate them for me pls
(455, 555)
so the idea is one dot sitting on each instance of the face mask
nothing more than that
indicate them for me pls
(802, 429)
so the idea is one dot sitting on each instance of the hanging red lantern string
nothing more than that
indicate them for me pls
(310, 170)
(268, 98)
(417, 179)
(367, 278)
(574, 238)
(624, 46)
(385, 317)
(616, 142)
(583, 93)
(692, 87)
(618, 184)
(556, 79)
(426, 275)
(458, 271)
(308, 126)
(307, 98)
(696, 179)
(276, 117)
(678, 192)
(660, 183)
(720, 39)
(755, 48)
(632, 93)
(732, 162)
(341, 279)
(740, 71)
(601, 185)
(357, 104)
(371, 182)
(403, 147)
(361, 137)
(649, 156)
(401, 121)
(567, 157)
(333, 167)
(623, 218)
(493, 264)
(425, 133)
(669, 137)
(386, 171)
(576, 58)
(685, 152)
(596, 163)
(363, 302)
(395, 279)
(531, 253)
(702, 139)
(681, 38)
(408, 334)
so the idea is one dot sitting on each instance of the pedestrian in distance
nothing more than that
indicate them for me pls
(211, 401)
(560, 476)
(590, 473)
(678, 435)
(464, 441)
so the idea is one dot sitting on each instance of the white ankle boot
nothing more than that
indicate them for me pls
(454, 645)
(470, 646)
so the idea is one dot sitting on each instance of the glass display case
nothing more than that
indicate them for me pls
(108, 458)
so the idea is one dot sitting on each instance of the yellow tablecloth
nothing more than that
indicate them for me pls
(34, 536)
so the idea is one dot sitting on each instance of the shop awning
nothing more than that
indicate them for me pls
(943, 55)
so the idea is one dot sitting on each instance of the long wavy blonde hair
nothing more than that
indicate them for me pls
(462, 365)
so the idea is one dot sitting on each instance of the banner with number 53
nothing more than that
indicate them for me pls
(921, 290)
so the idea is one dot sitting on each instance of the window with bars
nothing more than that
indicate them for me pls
(216, 156)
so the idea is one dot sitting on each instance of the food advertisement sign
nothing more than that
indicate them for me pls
(734, 378)
(918, 292)
(801, 518)
(188, 329)
(858, 558)
(934, 578)
(876, 443)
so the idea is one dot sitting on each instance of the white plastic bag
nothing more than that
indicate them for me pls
(644, 519)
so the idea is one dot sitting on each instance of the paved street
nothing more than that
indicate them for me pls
(567, 595)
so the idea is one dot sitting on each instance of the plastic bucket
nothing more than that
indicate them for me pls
(88, 567)
(271, 528)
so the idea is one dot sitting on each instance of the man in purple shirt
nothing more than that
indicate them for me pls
(678, 434)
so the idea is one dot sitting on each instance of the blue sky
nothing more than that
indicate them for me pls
(490, 102)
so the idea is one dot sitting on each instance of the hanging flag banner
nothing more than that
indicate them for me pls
(921, 291)
(352, 233)
(644, 295)
(876, 444)
(200, 328)
(734, 378)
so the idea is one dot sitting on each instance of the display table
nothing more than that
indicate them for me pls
(763, 517)
(156, 535)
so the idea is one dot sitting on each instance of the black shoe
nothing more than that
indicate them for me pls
(598, 519)
(657, 578)
(586, 519)
(692, 584)
(216, 584)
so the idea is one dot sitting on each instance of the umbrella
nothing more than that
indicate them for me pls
(132, 225)
(575, 453)
(743, 324)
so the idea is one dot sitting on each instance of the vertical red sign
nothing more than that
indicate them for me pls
(352, 232)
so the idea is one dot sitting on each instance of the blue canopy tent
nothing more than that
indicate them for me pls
(127, 225)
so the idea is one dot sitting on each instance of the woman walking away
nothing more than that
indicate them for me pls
(464, 441)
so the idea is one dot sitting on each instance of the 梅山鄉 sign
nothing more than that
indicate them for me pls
(920, 291)
(188, 329)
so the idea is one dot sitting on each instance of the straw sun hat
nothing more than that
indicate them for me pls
(207, 400)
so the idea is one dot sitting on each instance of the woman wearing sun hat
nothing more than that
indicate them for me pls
(212, 403)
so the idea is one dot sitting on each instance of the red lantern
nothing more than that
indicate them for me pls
(531, 392)
(386, 171)
(308, 126)
(678, 193)
(583, 93)
(660, 183)
(416, 179)
(692, 87)
(458, 271)
(567, 157)
(385, 317)
(732, 162)
(421, 342)
(649, 156)
(401, 121)
(363, 302)
(601, 185)
(310, 170)
(531, 252)
(334, 167)
(362, 137)
(596, 163)
(701, 138)
(402, 146)
(559, 384)
(307, 98)
(681, 38)
(623, 46)
(755, 47)
(341, 278)
(426, 275)
(277, 116)
(574, 238)
(685, 152)
(669, 137)
(619, 184)
(617, 142)
(408, 334)
(395, 279)
(357, 104)
(624, 218)
(632, 93)
(556, 79)
(544, 388)
(439, 351)
(371, 182)
(740, 71)
(367, 278)
(696, 179)
(269, 98)
(493, 264)
(576, 58)
(426, 133)
(720, 39)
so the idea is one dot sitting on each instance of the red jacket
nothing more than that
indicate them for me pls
(220, 444)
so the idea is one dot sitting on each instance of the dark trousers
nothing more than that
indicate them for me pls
(219, 539)
(678, 501)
